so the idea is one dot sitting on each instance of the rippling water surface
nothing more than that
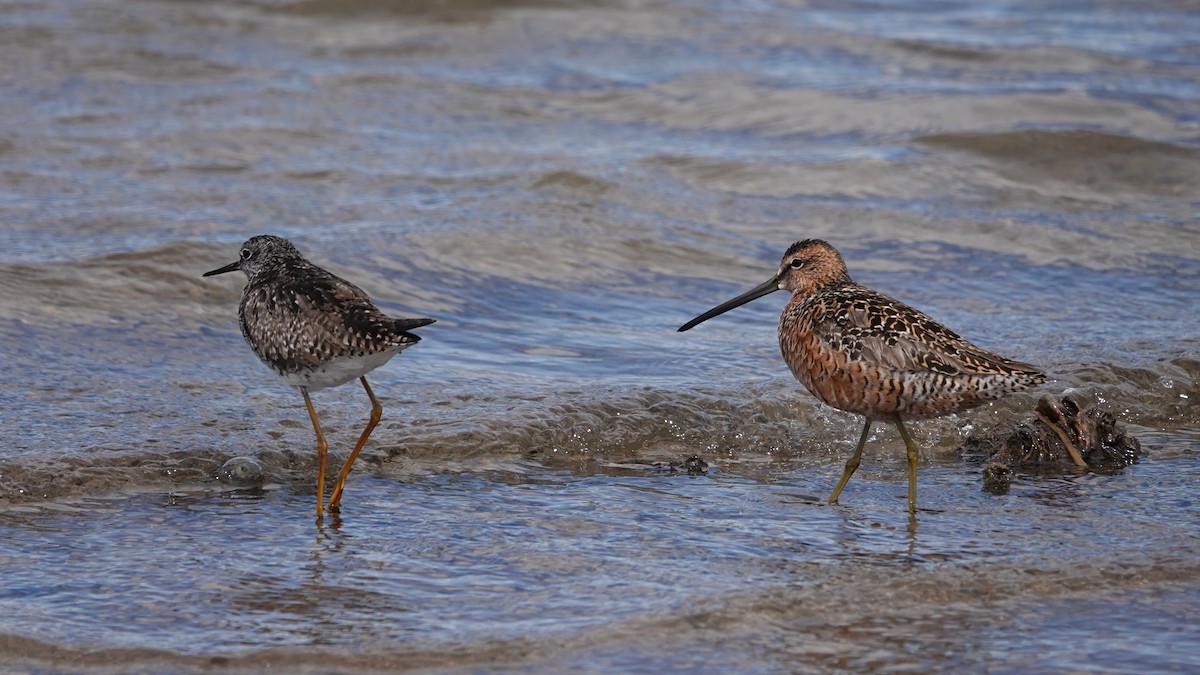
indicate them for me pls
(561, 184)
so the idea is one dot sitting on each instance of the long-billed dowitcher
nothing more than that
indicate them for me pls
(863, 352)
(315, 330)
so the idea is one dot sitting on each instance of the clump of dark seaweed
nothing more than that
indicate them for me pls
(1061, 436)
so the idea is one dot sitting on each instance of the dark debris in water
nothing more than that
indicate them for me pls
(1059, 437)
(692, 466)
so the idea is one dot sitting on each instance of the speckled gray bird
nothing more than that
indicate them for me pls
(863, 352)
(315, 330)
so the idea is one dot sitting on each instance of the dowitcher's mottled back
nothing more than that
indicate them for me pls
(863, 352)
(314, 330)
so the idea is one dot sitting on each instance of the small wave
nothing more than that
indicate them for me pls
(651, 430)
(445, 10)
(1091, 160)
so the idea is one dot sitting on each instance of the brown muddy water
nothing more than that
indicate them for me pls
(561, 184)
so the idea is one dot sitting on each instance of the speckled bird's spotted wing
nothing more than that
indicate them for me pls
(308, 320)
(871, 327)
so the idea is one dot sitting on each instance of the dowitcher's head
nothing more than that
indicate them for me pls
(259, 255)
(810, 265)
(807, 267)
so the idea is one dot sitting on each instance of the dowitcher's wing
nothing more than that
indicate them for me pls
(872, 327)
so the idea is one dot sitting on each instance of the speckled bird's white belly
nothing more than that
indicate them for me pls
(337, 371)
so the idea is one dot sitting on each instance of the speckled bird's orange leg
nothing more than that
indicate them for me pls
(322, 448)
(912, 465)
(335, 499)
(852, 463)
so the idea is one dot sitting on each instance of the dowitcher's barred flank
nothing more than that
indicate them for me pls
(315, 330)
(866, 353)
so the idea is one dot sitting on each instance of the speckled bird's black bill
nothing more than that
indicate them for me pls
(222, 270)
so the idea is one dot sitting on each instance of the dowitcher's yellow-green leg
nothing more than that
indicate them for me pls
(335, 499)
(322, 448)
(912, 465)
(852, 463)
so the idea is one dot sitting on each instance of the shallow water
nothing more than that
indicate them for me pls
(561, 185)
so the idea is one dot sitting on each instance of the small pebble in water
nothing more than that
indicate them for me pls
(243, 472)
(998, 478)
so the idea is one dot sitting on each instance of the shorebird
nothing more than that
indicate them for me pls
(315, 330)
(865, 353)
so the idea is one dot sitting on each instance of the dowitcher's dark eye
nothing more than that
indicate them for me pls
(796, 263)
(247, 254)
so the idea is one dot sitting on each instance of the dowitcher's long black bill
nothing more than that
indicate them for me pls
(770, 286)
(222, 270)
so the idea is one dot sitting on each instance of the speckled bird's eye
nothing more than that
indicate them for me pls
(797, 264)
(246, 254)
